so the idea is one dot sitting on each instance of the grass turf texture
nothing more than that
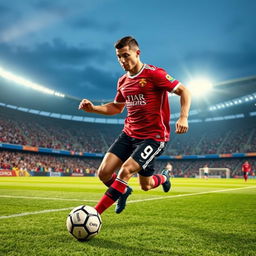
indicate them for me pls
(218, 224)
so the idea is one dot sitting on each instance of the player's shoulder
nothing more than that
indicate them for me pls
(121, 80)
(154, 70)
(159, 74)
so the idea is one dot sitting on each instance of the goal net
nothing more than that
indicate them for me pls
(215, 173)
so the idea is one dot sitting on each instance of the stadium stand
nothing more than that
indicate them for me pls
(224, 131)
(32, 162)
(28, 129)
(17, 127)
(231, 136)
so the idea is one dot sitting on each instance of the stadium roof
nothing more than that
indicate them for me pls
(231, 97)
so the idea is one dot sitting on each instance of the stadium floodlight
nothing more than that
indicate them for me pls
(20, 80)
(200, 86)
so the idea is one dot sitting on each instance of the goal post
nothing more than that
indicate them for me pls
(215, 172)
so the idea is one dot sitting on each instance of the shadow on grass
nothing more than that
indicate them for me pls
(124, 244)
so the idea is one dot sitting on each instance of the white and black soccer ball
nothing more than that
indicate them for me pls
(84, 222)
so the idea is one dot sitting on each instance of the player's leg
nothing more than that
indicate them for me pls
(245, 176)
(108, 167)
(145, 155)
(122, 148)
(146, 183)
(119, 186)
(117, 154)
(154, 181)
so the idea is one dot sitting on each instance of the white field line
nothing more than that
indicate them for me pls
(133, 201)
(191, 194)
(33, 213)
(48, 198)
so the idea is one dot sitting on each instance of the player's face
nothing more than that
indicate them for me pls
(128, 58)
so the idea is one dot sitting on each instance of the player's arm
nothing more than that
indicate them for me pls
(106, 109)
(185, 102)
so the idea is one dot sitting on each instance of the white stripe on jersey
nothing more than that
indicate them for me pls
(153, 156)
(162, 121)
(148, 67)
(174, 89)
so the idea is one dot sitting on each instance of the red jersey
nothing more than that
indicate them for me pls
(146, 98)
(246, 167)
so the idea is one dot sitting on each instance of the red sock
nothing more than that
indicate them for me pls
(112, 194)
(111, 180)
(159, 179)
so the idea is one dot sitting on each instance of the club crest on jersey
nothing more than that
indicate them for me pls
(170, 78)
(142, 82)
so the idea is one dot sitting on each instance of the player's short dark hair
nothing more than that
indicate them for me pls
(126, 41)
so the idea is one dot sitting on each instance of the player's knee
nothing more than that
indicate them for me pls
(103, 175)
(145, 187)
(126, 172)
(100, 174)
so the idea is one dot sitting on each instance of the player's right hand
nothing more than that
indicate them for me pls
(86, 105)
(182, 125)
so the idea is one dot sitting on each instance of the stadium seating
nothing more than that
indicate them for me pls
(16, 127)
(33, 162)
(46, 163)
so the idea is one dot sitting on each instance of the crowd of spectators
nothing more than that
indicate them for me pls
(203, 138)
(37, 131)
(214, 138)
(34, 162)
(21, 128)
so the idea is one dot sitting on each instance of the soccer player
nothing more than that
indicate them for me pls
(143, 90)
(169, 168)
(246, 168)
(206, 172)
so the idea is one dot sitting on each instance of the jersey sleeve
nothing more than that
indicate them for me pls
(119, 98)
(163, 80)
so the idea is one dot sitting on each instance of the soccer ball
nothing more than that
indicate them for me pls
(84, 222)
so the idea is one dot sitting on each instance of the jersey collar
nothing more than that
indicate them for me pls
(138, 72)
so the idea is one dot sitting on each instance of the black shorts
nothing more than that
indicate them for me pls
(143, 152)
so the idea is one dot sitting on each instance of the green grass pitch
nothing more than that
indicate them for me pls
(215, 217)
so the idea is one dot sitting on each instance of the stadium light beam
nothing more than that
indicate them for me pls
(200, 86)
(20, 80)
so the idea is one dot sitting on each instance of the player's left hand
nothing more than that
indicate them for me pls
(182, 125)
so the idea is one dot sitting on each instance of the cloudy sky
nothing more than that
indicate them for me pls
(68, 45)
